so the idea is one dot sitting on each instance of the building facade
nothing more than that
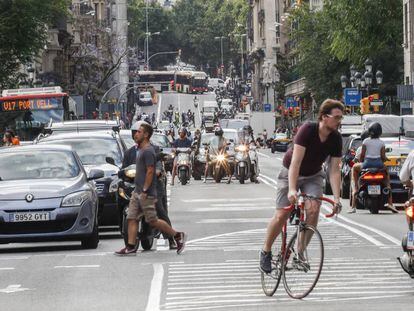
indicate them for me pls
(408, 43)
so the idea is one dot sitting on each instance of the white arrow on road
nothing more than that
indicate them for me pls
(14, 288)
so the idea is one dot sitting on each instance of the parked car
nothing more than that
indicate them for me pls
(46, 195)
(93, 148)
(215, 83)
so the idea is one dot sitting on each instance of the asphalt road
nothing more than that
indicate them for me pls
(218, 270)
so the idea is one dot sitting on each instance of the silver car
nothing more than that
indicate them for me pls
(46, 195)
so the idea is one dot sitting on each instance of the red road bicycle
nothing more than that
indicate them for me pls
(299, 262)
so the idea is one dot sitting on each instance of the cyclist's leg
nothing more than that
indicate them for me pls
(281, 215)
(313, 186)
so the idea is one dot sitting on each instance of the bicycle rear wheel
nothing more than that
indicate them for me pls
(270, 281)
(303, 264)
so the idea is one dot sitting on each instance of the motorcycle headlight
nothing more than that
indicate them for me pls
(113, 187)
(130, 173)
(241, 148)
(76, 199)
(221, 157)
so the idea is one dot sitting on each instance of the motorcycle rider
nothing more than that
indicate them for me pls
(373, 156)
(248, 139)
(181, 142)
(161, 206)
(218, 145)
(143, 198)
(406, 173)
(195, 101)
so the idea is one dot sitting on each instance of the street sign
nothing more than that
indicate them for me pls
(291, 102)
(267, 107)
(352, 97)
(377, 102)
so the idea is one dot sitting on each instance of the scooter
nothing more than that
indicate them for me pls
(126, 186)
(372, 193)
(407, 260)
(183, 165)
(242, 163)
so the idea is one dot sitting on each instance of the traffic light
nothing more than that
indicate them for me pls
(296, 112)
(364, 105)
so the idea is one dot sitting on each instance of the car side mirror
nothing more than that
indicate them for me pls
(95, 174)
(110, 160)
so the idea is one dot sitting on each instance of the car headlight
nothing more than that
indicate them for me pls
(113, 187)
(76, 199)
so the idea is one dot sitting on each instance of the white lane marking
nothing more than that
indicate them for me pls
(154, 297)
(263, 155)
(230, 209)
(159, 108)
(226, 200)
(374, 230)
(233, 221)
(87, 255)
(79, 266)
(269, 179)
(221, 235)
(239, 204)
(14, 258)
(6, 268)
(13, 288)
(266, 182)
(379, 232)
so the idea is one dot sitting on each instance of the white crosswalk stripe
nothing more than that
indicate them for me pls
(236, 283)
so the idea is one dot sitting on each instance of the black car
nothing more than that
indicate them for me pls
(93, 148)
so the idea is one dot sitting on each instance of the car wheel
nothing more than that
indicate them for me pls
(92, 241)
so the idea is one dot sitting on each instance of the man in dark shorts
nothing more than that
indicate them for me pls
(302, 170)
(144, 197)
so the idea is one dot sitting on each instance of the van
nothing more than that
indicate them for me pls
(215, 83)
(210, 107)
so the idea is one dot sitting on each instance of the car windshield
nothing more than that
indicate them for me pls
(37, 164)
(399, 147)
(92, 151)
(127, 138)
(160, 141)
(205, 138)
(231, 135)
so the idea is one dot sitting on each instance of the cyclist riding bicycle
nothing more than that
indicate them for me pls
(302, 170)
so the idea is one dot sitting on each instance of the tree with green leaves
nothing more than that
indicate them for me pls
(347, 32)
(23, 33)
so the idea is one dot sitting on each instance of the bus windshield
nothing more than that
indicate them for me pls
(27, 116)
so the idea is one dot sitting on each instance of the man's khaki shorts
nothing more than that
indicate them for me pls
(311, 185)
(138, 208)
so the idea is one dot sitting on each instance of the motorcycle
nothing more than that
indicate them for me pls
(407, 260)
(245, 163)
(183, 164)
(218, 163)
(126, 186)
(372, 193)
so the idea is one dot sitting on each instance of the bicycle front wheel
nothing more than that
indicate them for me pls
(270, 281)
(303, 261)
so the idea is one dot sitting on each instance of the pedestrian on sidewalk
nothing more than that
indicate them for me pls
(143, 199)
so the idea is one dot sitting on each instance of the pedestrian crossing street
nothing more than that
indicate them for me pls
(235, 283)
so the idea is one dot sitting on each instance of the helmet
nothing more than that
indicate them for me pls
(248, 129)
(183, 129)
(375, 130)
(136, 126)
(364, 135)
(218, 131)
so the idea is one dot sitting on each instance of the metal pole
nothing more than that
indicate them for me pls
(147, 32)
(222, 61)
(242, 58)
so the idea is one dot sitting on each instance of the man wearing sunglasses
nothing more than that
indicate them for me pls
(302, 171)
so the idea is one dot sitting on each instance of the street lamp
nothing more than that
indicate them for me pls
(242, 53)
(221, 47)
(148, 35)
(363, 82)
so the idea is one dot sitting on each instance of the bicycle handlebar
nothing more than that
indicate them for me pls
(309, 197)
